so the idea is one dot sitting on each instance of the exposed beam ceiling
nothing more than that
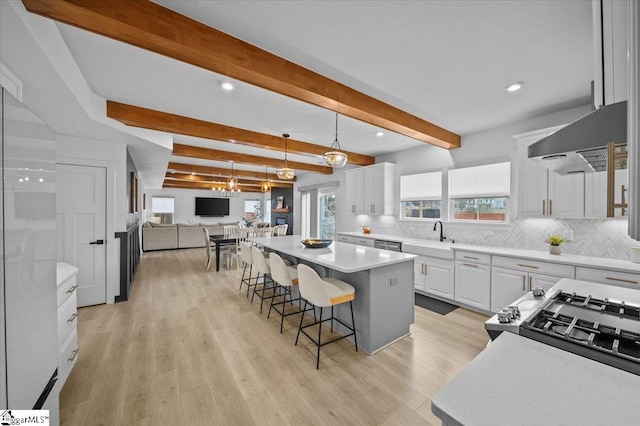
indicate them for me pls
(181, 184)
(217, 155)
(219, 171)
(150, 26)
(166, 122)
(243, 182)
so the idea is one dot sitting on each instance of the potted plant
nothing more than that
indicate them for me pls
(554, 242)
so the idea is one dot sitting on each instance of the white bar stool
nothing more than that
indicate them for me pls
(262, 266)
(285, 277)
(322, 293)
(246, 257)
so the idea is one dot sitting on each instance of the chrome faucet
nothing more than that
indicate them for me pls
(435, 225)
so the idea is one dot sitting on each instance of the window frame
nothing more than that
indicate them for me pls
(402, 210)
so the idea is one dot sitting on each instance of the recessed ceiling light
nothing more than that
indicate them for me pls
(514, 87)
(379, 134)
(226, 85)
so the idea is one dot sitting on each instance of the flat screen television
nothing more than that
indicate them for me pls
(212, 206)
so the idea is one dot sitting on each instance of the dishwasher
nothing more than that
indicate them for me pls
(388, 245)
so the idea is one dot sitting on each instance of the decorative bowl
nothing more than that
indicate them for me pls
(316, 243)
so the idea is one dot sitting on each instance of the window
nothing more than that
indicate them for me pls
(267, 210)
(327, 215)
(480, 193)
(305, 214)
(163, 208)
(252, 212)
(421, 196)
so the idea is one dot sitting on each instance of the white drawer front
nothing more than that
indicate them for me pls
(68, 357)
(66, 289)
(67, 319)
(364, 241)
(345, 238)
(545, 268)
(622, 279)
(470, 257)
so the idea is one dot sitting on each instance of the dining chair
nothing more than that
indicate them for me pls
(232, 248)
(208, 246)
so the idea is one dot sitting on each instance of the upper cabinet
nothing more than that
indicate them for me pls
(369, 190)
(610, 51)
(542, 193)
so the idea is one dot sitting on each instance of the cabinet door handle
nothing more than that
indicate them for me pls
(470, 264)
(530, 282)
(544, 207)
(72, 317)
(74, 354)
(527, 266)
(471, 257)
(426, 271)
(72, 288)
(622, 281)
(523, 287)
(550, 208)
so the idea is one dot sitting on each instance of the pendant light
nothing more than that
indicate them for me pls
(335, 157)
(233, 182)
(266, 185)
(285, 173)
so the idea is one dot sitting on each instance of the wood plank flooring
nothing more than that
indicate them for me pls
(188, 348)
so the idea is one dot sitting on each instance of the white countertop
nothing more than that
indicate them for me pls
(343, 257)
(64, 271)
(426, 247)
(518, 381)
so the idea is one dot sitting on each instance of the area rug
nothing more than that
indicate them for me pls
(437, 306)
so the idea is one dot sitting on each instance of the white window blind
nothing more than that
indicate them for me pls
(490, 180)
(421, 186)
(162, 204)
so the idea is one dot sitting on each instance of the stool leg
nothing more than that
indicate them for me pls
(301, 319)
(255, 287)
(319, 334)
(332, 318)
(244, 270)
(271, 305)
(249, 285)
(353, 323)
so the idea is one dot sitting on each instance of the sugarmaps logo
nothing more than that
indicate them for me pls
(24, 417)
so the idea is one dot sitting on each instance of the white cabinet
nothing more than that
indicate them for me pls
(473, 280)
(369, 190)
(434, 276)
(610, 52)
(605, 276)
(345, 238)
(595, 193)
(512, 277)
(542, 193)
(67, 320)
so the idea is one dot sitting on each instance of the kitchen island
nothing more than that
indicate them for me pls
(384, 303)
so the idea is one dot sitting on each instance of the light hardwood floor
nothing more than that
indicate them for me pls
(188, 348)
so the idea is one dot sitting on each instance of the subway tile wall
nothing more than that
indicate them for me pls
(598, 238)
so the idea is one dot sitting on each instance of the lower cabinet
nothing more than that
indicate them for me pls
(67, 321)
(473, 284)
(434, 276)
(605, 276)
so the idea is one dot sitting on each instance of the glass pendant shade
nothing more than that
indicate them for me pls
(286, 172)
(266, 185)
(233, 182)
(335, 157)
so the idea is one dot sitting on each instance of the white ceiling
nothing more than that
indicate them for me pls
(444, 61)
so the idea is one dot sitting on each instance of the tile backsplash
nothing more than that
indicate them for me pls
(591, 237)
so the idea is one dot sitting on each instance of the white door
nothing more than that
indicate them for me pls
(81, 216)
(532, 195)
(544, 281)
(440, 280)
(566, 196)
(506, 286)
(419, 271)
(473, 284)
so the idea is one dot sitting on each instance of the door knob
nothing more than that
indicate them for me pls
(99, 242)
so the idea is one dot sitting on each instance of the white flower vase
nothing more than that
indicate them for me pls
(554, 249)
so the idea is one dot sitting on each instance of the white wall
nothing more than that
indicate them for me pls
(185, 204)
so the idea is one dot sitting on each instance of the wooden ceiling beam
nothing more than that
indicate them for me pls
(237, 157)
(168, 183)
(165, 122)
(220, 171)
(153, 27)
(199, 178)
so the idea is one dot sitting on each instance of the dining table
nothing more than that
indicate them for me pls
(221, 241)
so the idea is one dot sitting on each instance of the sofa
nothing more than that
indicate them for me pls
(156, 236)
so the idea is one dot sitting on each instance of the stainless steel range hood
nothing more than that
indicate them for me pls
(581, 147)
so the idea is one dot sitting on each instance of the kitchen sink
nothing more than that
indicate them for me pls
(429, 248)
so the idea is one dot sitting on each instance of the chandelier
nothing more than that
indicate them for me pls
(222, 192)
(335, 157)
(285, 173)
(266, 185)
(233, 183)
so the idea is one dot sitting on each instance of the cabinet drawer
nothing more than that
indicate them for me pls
(364, 241)
(66, 289)
(622, 279)
(538, 267)
(67, 319)
(471, 257)
(68, 356)
(345, 238)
